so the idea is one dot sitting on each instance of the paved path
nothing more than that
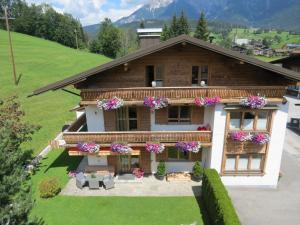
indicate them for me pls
(279, 206)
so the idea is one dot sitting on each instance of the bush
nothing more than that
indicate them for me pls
(49, 187)
(217, 201)
(197, 170)
(161, 169)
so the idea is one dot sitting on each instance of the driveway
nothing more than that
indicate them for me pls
(279, 206)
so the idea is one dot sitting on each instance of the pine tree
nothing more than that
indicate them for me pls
(142, 25)
(15, 195)
(201, 29)
(165, 35)
(183, 25)
(173, 30)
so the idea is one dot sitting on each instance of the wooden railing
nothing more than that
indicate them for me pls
(138, 94)
(137, 136)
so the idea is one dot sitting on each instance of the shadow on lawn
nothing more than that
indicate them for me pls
(203, 211)
(64, 160)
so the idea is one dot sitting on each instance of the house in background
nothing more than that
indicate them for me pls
(181, 69)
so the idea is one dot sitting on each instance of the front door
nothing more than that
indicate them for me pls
(128, 162)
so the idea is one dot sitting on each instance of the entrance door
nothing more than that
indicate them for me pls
(128, 162)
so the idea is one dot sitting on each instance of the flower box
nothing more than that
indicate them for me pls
(109, 104)
(192, 146)
(155, 102)
(88, 147)
(121, 148)
(207, 101)
(254, 102)
(179, 176)
(155, 147)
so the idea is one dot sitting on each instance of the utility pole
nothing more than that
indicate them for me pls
(10, 44)
(76, 38)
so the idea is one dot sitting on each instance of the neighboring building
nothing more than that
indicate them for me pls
(184, 68)
(293, 45)
(291, 62)
(242, 41)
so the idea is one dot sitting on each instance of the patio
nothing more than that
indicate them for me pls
(146, 186)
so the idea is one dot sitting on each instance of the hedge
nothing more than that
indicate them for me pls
(217, 201)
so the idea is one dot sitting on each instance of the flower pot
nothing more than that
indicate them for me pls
(197, 178)
(159, 177)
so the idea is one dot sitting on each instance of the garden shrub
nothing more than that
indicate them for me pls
(217, 201)
(49, 187)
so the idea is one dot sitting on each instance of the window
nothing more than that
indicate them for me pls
(175, 154)
(244, 163)
(199, 74)
(127, 118)
(154, 73)
(249, 120)
(179, 114)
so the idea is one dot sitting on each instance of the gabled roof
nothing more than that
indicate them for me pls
(166, 44)
(286, 59)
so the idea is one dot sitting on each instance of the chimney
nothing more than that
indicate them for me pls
(149, 36)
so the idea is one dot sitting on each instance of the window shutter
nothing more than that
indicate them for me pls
(196, 156)
(197, 115)
(162, 156)
(110, 120)
(143, 116)
(161, 116)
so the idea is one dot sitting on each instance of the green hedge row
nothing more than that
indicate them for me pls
(217, 201)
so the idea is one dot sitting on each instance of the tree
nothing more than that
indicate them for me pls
(201, 29)
(109, 39)
(173, 30)
(165, 35)
(15, 193)
(183, 25)
(142, 25)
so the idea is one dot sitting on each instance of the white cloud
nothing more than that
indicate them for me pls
(94, 11)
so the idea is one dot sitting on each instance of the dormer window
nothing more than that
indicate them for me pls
(199, 75)
(156, 74)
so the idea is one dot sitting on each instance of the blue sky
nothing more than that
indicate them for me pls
(94, 11)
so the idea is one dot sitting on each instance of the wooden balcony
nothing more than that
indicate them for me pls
(137, 137)
(183, 94)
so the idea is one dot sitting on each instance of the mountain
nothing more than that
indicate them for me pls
(258, 13)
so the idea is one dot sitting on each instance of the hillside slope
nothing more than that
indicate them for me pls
(41, 62)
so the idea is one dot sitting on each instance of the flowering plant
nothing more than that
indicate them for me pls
(88, 147)
(193, 146)
(120, 148)
(108, 104)
(155, 102)
(72, 174)
(138, 172)
(254, 102)
(155, 147)
(207, 101)
(260, 138)
(241, 136)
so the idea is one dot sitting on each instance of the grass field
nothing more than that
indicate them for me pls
(67, 210)
(40, 62)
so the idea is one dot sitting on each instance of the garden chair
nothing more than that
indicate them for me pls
(108, 182)
(80, 180)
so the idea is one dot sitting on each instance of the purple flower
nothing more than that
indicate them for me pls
(260, 138)
(72, 174)
(207, 101)
(155, 147)
(155, 102)
(109, 104)
(193, 146)
(254, 102)
(120, 148)
(88, 147)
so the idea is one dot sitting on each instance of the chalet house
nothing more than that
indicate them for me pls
(204, 94)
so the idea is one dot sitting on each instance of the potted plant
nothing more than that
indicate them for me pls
(197, 171)
(161, 170)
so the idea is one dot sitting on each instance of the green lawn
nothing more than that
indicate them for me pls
(65, 210)
(41, 62)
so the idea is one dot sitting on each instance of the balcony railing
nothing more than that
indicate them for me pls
(186, 93)
(137, 137)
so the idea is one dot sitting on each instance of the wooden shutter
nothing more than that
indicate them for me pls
(197, 115)
(162, 156)
(110, 120)
(145, 163)
(161, 116)
(196, 156)
(143, 117)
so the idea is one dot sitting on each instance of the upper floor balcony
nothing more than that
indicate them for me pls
(177, 95)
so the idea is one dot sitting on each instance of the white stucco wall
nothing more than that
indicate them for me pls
(94, 119)
(273, 162)
(97, 161)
